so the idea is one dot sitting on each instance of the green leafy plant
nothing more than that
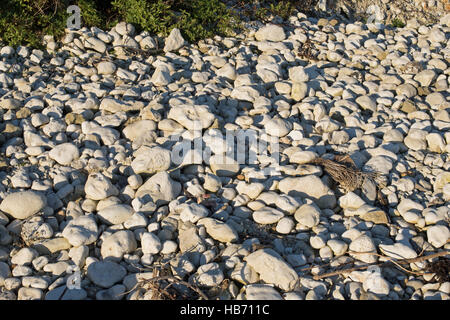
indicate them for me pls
(25, 22)
(265, 9)
(397, 23)
(197, 19)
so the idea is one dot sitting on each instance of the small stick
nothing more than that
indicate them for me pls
(396, 262)
(171, 278)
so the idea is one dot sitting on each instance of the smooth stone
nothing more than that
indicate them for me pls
(267, 215)
(150, 243)
(151, 160)
(285, 225)
(272, 269)
(139, 130)
(446, 192)
(376, 283)
(29, 294)
(425, 77)
(438, 235)
(208, 275)
(10, 104)
(57, 268)
(278, 127)
(406, 89)
(308, 215)
(350, 201)
(299, 91)
(219, 230)
(107, 135)
(406, 205)
(106, 67)
(380, 164)
(64, 153)
(118, 244)
(99, 187)
(212, 183)
(137, 220)
(228, 71)
(366, 103)
(441, 180)
(287, 203)
(363, 243)
(23, 204)
(116, 214)
(311, 187)
(251, 189)
(302, 157)
(261, 292)
(270, 32)
(126, 75)
(376, 216)
(190, 241)
(24, 256)
(398, 250)
(79, 255)
(192, 212)
(169, 247)
(52, 245)
(436, 35)
(116, 292)
(123, 29)
(74, 294)
(105, 273)
(244, 274)
(96, 44)
(337, 246)
(436, 142)
(80, 231)
(160, 187)
(192, 117)
(298, 74)
(35, 282)
(224, 166)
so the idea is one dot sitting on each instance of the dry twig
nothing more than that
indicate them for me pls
(397, 262)
(178, 281)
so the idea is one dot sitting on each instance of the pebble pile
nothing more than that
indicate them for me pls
(89, 185)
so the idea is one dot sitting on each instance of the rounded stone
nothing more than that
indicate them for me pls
(64, 153)
(116, 214)
(105, 273)
(23, 204)
(150, 243)
(80, 231)
(118, 244)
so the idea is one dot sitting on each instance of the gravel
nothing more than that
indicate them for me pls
(115, 164)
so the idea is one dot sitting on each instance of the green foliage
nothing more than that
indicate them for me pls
(205, 18)
(264, 10)
(26, 21)
(90, 15)
(153, 16)
(283, 9)
(397, 23)
(197, 19)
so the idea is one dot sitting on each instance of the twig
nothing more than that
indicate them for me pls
(396, 262)
(393, 261)
(171, 278)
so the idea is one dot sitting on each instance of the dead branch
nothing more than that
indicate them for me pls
(395, 261)
(178, 281)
